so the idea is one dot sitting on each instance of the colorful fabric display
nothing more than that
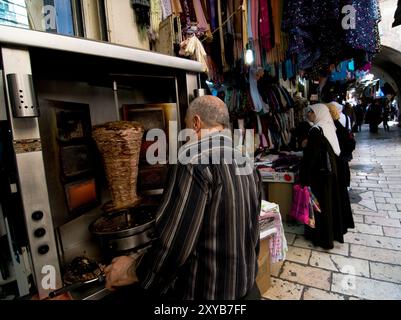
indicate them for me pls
(278, 242)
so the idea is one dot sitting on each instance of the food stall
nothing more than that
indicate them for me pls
(62, 215)
(57, 90)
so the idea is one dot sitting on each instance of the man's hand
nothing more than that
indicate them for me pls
(120, 273)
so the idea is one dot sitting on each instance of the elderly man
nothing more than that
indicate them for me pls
(207, 225)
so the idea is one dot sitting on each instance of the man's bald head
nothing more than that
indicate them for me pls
(211, 110)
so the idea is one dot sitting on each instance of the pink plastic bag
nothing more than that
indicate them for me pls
(301, 204)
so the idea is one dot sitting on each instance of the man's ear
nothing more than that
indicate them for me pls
(197, 123)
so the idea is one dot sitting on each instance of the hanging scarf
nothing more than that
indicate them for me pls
(213, 14)
(277, 12)
(221, 32)
(253, 24)
(200, 16)
(262, 138)
(155, 18)
(325, 121)
(258, 102)
(245, 35)
(166, 8)
(265, 32)
(193, 48)
(176, 7)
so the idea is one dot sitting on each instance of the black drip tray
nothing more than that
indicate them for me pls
(93, 291)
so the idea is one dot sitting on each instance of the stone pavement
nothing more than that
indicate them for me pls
(368, 264)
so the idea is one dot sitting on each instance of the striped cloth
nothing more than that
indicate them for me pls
(207, 227)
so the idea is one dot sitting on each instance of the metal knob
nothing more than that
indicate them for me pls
(37, 215)
(43, 249)
(39, 233)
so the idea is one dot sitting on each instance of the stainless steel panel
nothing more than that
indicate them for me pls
(192, 86)
(18, 61)
(23, 99)
(21, 274)
(199, 93)
(35, 199)
(3, 106)
(2, 223)
(32, 180)
(30, 38)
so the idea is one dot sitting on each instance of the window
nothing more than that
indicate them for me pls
(55, 16)
(13, 13)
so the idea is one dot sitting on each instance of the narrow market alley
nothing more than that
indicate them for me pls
(368, 264)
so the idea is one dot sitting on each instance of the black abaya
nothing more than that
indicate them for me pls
(344, 178)
(324, 185)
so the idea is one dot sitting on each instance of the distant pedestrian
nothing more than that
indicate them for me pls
(359, 117)
(386, 116)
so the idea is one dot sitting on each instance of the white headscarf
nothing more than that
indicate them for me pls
(343, 117)
(325, 121)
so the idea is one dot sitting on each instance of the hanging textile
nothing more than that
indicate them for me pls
(253, 24)
(245, 28)
(280, 43)
(155, 19)
(265, 30)
(365, 36)
(192, 47)
(212, 7)
(237, 25)
(176, 7)
(200, 16)
(166, 8)
(262, 138)
(278, 244)
(314, 31)
(229, 34)
(221, 33)
(259, 104)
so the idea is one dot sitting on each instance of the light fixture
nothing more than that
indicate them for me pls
(249, 57)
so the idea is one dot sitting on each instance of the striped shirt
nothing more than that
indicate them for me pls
(207, 228)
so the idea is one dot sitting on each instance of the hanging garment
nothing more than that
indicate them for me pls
(245, 28)
(189, 19)
(212, 7)
(200, 16)
(192, 47)
(229, 34)
(365, 35)
(155, 19)
(254, 13)
(221, 33)
(176, 7)
(166, 8)
(315, 31)
(265, 30)
(258, 102)
(277, 13)
(262, 138)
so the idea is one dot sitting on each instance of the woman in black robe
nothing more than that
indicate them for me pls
(343, 170)
(319, 171)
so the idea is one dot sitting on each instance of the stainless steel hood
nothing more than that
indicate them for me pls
(38, 39)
